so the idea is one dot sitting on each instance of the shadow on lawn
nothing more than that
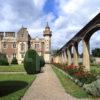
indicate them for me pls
(7, 87)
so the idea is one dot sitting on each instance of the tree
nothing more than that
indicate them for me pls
(3, 59)
(42, 61)
(96, 52)
(14, 61)
(55, 51)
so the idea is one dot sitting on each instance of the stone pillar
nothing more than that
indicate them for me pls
(62, 57)
(75, 54)
(69, 56)
(56, 59)
(65, 57)
(86, 54)
(59, 61)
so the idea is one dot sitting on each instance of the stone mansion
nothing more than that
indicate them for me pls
(16, 44)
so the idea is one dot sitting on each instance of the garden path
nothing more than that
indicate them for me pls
(47, 87)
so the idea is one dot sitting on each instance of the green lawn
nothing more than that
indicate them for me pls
(70, 86)
(13, 86)
(12, 68)
(95, 70)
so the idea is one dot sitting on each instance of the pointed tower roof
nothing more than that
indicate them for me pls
(47, 31)
(47, 25)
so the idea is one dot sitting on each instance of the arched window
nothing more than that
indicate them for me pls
(14, 45)
(22, 35)
(4, 45)
(36, 46)
(22, 46)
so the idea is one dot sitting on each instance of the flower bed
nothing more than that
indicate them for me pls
(82, 78)
(78, 73)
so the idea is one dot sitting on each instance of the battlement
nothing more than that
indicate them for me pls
(1, 33)
(9, 34)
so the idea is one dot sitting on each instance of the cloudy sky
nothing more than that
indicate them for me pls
(65, 17)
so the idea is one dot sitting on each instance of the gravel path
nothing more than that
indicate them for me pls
(47, 87)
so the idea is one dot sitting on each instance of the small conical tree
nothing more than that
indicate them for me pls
(3, 59)
(14, 61)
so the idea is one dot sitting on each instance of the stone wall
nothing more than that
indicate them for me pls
(97, 60)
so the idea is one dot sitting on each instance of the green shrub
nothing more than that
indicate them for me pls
(42, 61)
(38, 67)
(93, 88)
(32, 62)
(14, 61)
(3, 59)
(92, 60)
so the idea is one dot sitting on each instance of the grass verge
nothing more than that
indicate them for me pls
(70, 87)
(12, 68)
(14, 86)
(95, 70)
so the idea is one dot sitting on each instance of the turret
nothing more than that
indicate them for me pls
(47, 33)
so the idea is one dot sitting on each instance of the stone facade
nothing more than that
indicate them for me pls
(16, 44)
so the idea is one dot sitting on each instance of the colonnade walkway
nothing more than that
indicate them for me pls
(47, 87)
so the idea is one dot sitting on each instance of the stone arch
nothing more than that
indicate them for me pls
(83, 35)
(91, 31)
(80, 52)
(86, 46)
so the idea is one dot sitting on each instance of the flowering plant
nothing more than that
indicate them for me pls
(71, 69)
(84, 76)
(78, 73)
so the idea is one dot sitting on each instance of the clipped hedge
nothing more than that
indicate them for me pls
(42, 61)
(32, 62)
(3, 59)
(14, 61)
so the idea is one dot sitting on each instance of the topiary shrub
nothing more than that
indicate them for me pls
(42, 61)
(3, 59)
(32, 62)
(38, 67)
(93, 88)
(14, 61)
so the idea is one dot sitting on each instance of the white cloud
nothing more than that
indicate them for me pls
(72, 15)
(39, 4)
(94, 14)
(72, 6)
(59, 22)
(72, 28)
(39, 25)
